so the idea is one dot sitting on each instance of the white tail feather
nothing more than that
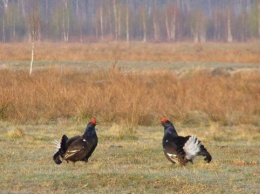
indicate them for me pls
(56, 144)
(192, 147)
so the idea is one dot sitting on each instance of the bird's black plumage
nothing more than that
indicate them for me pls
(77, 148)
(179, 149)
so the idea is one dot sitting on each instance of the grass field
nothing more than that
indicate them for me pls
(110, 52)
(209, 90)
(133, 163)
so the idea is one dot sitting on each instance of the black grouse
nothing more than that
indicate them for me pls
(181, 150)
(78, 148)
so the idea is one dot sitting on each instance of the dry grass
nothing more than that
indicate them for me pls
(220, 107)
(196, 97)
(129, 165)
(15, 133)
(178, 52)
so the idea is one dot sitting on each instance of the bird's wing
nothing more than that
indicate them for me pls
(91, 150)
(75, 148)
(170, 150)
(173, 149)
(71, 140)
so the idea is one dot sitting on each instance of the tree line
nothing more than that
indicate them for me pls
(130, 20)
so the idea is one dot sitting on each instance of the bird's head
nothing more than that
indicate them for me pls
(168, 126)
(90, 129)
(93, 121)
(164, 121)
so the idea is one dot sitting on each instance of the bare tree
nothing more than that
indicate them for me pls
(155, 24)
(217, 24)
(101, 19)
(173, 24)
(5, 2)
(110, 20)
(167, 24)
(203, 29)
(258, 12)
(116, 22)
(127, 21)
(65, 21)
(195, 25)
(150, 20)
(143, 10)
(229, 32)
(34, 21)
(119, 19)
(170, 22)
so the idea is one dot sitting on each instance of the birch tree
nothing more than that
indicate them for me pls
(173, 24)
(153, 20)
(229, 32)
(155, 24)
(34, 21)
(217, 24)
(116, 20)
(203, 29)
(127, 21)
(65, 21)
(258, 18)
(143, 12)
(5, 5)
(110, 20)
(101, 19)
(167, 24)
(195, 18)
(170, 22)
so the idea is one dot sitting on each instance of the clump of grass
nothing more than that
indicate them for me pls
(120, 131)
(196, 118)
(15, 133)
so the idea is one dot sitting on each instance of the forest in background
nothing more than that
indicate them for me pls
(130, 20)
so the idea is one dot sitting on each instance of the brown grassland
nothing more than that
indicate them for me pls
(210, 90)
(163, 52)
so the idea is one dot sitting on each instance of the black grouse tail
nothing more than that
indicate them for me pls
(63, 147)
(56, 158)
(203, 152)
